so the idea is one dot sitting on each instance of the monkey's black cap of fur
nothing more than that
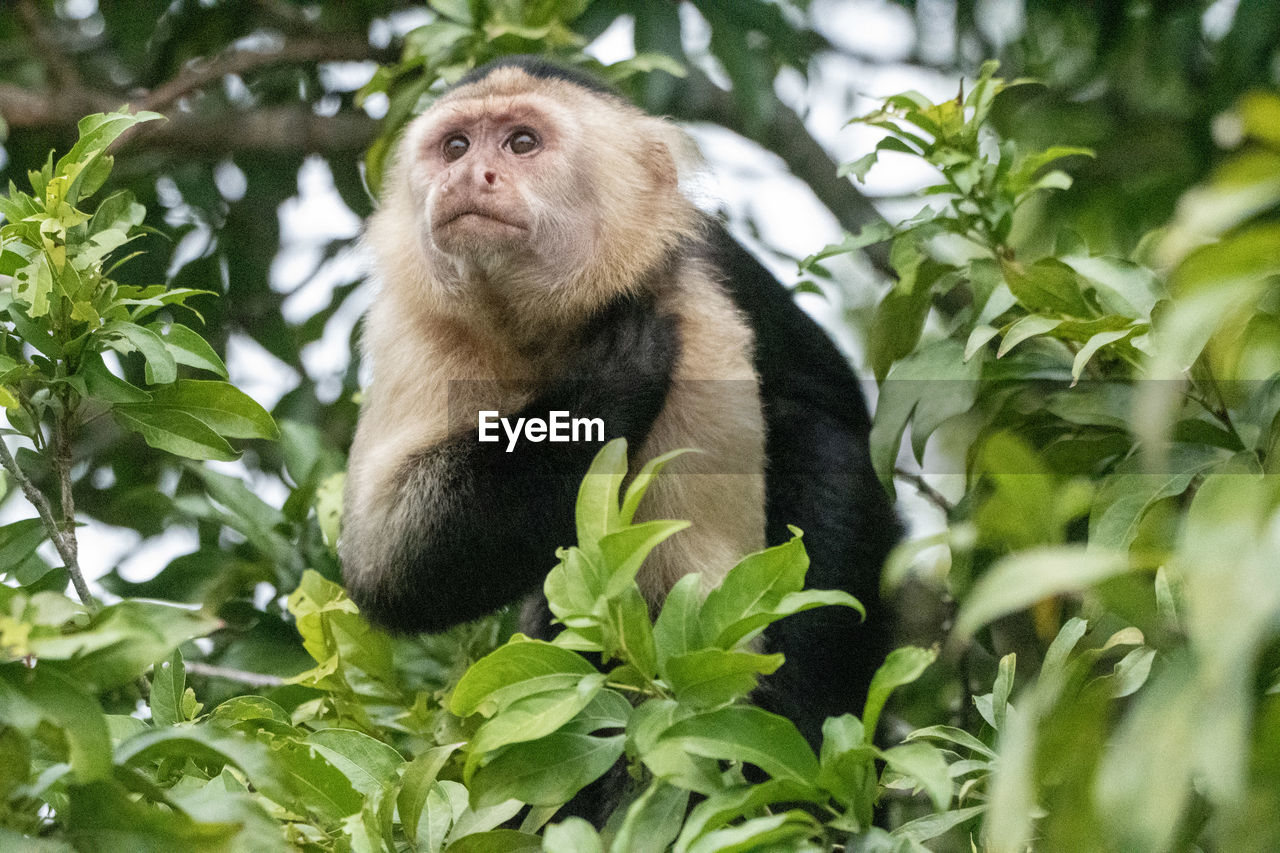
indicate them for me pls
(541, 67)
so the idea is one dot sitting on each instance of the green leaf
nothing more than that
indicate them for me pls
(931, 826)
(187, 347)
(678, 628)
(368, 763)
(624, 551)
(640, 485)
(652, 821)
(85, 163)
(497, 841)
(32, 696)
(175, 432)
(168, 691)
(756, 584)
(104, 385)
(902, 666)
(793, 602)
(545, 772)
(518, 669)
(1048, 286)
(724, 807)
(926, 765)
(416, 784)
(1129, 492)
(1027, 327)
(749, 734)
(775, 832)
(951, 734)
(597, 511)
(18, 541)
(979, 338)
(160, 368)
(928, 387)
(573, 588)
(121, 641)
(628, 632)
(858, 168)
(574, 835)
(1091, 347)
(1022, 579)
(219, 405)
(531, 717)
(1055, 658)
(710, 677)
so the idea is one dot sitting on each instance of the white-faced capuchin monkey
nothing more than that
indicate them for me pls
(536, 255)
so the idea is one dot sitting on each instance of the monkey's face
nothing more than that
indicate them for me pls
(492, 184)
(534, 197)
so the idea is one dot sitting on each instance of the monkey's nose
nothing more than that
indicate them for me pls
(490, 177)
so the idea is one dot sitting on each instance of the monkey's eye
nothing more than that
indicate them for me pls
(455, 146)
(523, 142)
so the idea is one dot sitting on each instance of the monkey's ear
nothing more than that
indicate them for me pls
(660, 165)
(668, 153)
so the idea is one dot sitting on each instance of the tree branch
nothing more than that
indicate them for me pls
(279, 129)
(696, 98)
(300, 51)
(255, 679)
(62, 540)
(926, 491)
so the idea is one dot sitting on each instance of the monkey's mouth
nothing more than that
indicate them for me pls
(476, 213)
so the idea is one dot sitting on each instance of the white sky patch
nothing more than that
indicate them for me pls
(616, 43)
(257, 372)
(876, 29)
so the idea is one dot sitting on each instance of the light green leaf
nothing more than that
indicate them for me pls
(574, 835)
(903, 666)
(926, 765)
(1022, 579)
(597, 510)
(1027, 327)
(640, 485)
(710, 677)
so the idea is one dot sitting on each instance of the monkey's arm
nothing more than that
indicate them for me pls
(471, 526)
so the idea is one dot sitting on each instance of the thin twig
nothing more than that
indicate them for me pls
(927, 491)
(63, 543)
(255, 679)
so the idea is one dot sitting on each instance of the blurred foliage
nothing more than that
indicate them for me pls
(1082, 325)
(1116, 424)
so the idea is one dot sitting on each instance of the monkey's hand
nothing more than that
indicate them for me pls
(620, 371)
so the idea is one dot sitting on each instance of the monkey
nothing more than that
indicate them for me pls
(536, 254)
